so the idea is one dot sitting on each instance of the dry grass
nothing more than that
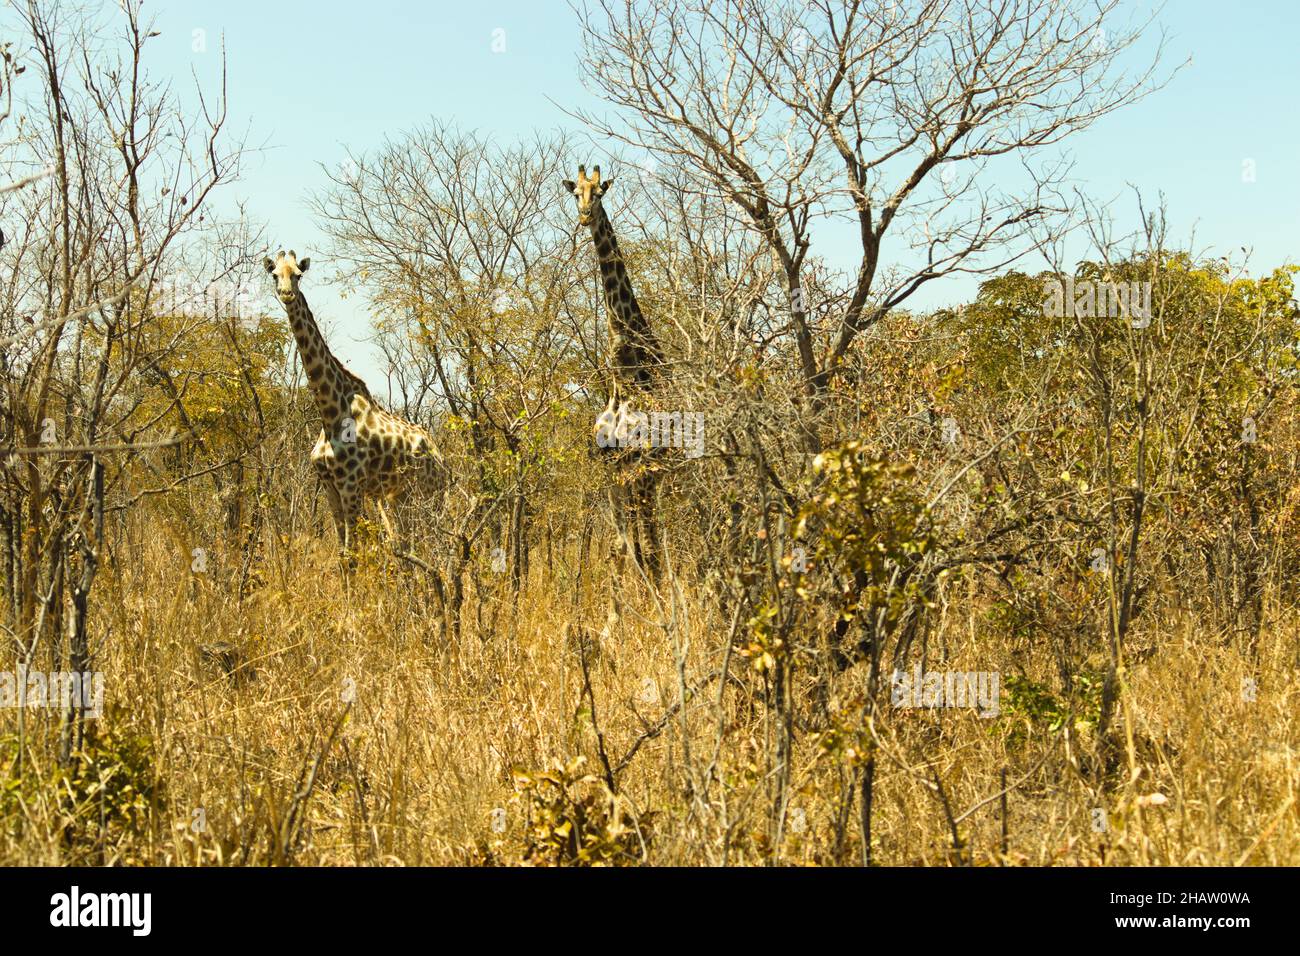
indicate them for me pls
(218, 743)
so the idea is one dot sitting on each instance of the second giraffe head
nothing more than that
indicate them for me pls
(587, 190)
(287, 270)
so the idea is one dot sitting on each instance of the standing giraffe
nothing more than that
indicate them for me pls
(363, 451)
(635, 357)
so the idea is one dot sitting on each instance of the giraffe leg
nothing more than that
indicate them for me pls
(634, 544)
(647, 525)
(622, 547)
(351, 514)
(617, 552)
(395, 515)
(323, 461)
(350, 506)
(405, 519)
(383, 517)
(336, 510)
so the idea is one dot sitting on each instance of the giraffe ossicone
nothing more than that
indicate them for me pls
(363, 452)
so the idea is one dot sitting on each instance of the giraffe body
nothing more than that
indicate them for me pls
(390, 460)
(363, 452)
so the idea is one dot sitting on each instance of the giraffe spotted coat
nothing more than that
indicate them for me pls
(363, 452)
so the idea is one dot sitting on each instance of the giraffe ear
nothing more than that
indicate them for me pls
(304, 264)
(270, 265)
(604, 187)
(570, 185)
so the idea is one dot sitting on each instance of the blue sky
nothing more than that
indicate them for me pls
(309, 79)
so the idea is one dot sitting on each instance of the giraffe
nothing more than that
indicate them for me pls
(363, 451)
(634, 350)
(635, 357)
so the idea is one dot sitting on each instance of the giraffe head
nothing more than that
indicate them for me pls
(287, 270)
(587, 190)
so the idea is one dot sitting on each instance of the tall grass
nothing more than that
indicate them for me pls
(315, 720)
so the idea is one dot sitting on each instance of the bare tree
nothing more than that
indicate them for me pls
(465, 254)
(112, 174)
(875, 120)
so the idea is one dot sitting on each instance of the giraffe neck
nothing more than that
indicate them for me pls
(634, 344)
(332, 385)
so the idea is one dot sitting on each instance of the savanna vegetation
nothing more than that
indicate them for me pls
(589, 655)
